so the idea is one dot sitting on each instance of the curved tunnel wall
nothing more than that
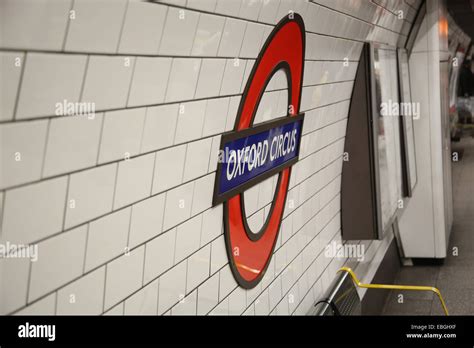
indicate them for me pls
(119, 204)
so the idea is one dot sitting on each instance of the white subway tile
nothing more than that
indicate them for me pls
(21, 160)
(190, 121)
(160, 127)
(210, 78)
(134, 180)
(227, 283)
(60, 259)
(183, 79)
(159, 255)
(39, 25)
(149, 81)
(143, 302)
(121, 134)
(96, 26)
(237, 301)
(198, 268)
(268, 11)
(143, 28)
(211, 224)
(107, 81)
(187, 306)
(172, 287)
(73, 143)
(232, 113)
(147, 220)
(84, 296)
(169, 166)
(252, 40)
(228, 7)
(216, 115)
(232, 37)
(197, 159)
(90, 194)
(234, 71)
(203, 191)
(10, 69)
(218, 254)
(203, 5)
(123, 276)
(208, 34)
(187, 238)
(107, 238)
(14, 284)
(250, 9)
(178, 35)
(35, 211)
(48, 79)
(208, 295)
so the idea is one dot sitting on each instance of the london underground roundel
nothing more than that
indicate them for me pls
(250, 154)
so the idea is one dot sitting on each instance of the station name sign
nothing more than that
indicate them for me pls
(254, 151)
(254, 154)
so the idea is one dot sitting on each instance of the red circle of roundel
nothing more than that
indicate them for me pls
(284, 49)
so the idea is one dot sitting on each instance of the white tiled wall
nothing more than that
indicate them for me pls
(119, 204)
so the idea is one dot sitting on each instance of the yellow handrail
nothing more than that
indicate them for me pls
(394, 287)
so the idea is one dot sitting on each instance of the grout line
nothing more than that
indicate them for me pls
(117, 167)
(162, 30)
(65, 205)
(125, 12)
(105, 289)
(20, 84)
(66, 34)
(130, 83)
(28, 282)
(56, 303)
(134, 55)
(153, 175)
(85, 249)
(102, 125)
(86, 70)
(143, 268)
(129, 232)
(45, 149)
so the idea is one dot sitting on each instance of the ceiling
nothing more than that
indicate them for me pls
(463, 13)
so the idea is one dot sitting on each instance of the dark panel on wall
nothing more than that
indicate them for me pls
(358, 197)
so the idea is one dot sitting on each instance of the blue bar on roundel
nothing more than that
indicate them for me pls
(246, 159)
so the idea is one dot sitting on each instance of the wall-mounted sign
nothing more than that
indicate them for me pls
(250, 154)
